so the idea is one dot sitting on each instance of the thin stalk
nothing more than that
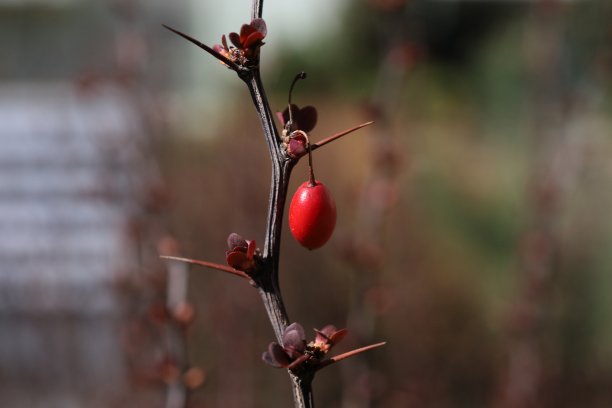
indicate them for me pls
(325, 141)
(207, 264)
(311, 180)
(222, 58)
(257, 9)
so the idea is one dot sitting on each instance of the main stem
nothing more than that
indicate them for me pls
(302, 391)
(269, 288)
(267, 280)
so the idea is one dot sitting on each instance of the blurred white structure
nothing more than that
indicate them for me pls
(67, 169)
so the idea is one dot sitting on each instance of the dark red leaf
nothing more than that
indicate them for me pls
(337, 336)
(245, 31)
(252, 246)
(328, 330)
(224, 42)
(285, 114)
(252, 39)
(235, 39)
(328, 336)
(294, 340)
(277, 355)
(236, 241)
(306, 118)
(269, 359)
(323, 336)
(238, 260)
(281, 118)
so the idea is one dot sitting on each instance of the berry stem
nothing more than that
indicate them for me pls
(289, 125)
(289, 128)
(311, 180)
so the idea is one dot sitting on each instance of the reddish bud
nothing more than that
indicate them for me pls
(194, 377)
(297, 144)
(276, 356)
(294, 340)
(168, 370)
(184, 313)
(241, 252)
(158, 312)
(328, 336)
(235, 241)
(244, 46)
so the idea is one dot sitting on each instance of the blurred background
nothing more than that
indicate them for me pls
(472, 233)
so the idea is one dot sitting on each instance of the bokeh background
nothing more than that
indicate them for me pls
(473, 232)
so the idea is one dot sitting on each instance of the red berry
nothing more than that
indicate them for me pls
(312, 215)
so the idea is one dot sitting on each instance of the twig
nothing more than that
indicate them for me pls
(348, 354)
(339, 135)
(231, 64)
(211, 265)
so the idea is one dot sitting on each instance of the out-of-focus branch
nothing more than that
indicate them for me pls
(365, 250)
(522, 378)
(176, 343)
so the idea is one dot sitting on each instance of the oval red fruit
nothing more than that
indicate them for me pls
(312, 215)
